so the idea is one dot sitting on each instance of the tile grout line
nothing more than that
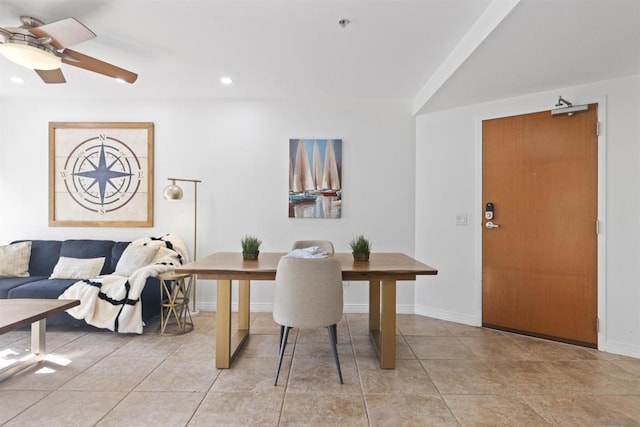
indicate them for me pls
(527, 401)
(286, 385)
(128, 393)
(429, 376)
(355, 359)
(48, 392)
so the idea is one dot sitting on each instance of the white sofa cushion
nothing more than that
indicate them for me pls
(77, 268)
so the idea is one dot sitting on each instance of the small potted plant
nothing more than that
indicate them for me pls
(361, 248)
(250, 247)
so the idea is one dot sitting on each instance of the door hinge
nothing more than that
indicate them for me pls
(597, 226)
(597, 128)
(597, 324)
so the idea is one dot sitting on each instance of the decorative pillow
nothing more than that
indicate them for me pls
(14, 260)
(77, 268)
(135, 257)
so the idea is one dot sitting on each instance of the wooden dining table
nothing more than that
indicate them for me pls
(382, 271)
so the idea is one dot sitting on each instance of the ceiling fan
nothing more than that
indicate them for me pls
(44, 47)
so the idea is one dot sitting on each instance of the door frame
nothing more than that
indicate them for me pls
(602, 196)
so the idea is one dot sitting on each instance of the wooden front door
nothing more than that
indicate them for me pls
(539, 267)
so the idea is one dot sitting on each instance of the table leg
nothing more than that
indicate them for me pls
(185, 312)
(388, 325)
(382, 323)
(244, 291)
(163, 291)
(38, 337)
(223, 324)
(228, 344)
(38, 350)
(374, 305)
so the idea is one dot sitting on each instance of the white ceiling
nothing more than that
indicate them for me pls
(295, 48)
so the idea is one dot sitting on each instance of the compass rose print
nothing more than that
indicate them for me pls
(102, 174)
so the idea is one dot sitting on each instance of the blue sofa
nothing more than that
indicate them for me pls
(44, 257)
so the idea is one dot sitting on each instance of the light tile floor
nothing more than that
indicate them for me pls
(447, 374)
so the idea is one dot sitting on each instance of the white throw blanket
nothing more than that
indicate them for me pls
(113, 302)
(311, 252)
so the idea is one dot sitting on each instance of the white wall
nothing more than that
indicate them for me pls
(448, 183)
(239, 149)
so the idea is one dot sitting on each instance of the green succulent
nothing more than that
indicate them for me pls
(360, 244)
(250, 244)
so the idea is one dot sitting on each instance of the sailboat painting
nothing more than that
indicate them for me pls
(315, 177)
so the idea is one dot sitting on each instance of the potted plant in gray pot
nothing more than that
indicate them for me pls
(250, 247)
(361, 248)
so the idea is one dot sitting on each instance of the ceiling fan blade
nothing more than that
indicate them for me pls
(65, 32)
(51, 76)
(80, 60)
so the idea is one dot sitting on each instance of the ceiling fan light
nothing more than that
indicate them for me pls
(30, 56)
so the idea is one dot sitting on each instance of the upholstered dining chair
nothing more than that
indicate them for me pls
(308, 294)
(325, 245)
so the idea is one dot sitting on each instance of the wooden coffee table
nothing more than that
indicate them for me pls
(16, 313)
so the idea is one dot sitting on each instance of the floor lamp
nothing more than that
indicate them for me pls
(174, 192)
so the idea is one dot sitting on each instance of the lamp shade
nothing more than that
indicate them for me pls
(173, 192)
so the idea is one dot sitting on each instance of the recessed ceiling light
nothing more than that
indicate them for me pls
(226, 81)
(120, 80)
(17, 79)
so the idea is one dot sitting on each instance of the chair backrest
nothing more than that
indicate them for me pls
(308, 292)
(325, 245)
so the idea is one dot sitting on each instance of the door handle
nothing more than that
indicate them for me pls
(491, 225)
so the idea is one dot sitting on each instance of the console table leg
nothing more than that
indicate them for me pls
(223, 324)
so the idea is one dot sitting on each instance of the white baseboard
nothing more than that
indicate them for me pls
(356, 308)
(609, 347)
(206, 306)
(447, 315)
(254, 307)
(268, 308)
(403, 309)
(621, 348)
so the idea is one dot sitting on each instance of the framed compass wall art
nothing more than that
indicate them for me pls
(100, 174)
